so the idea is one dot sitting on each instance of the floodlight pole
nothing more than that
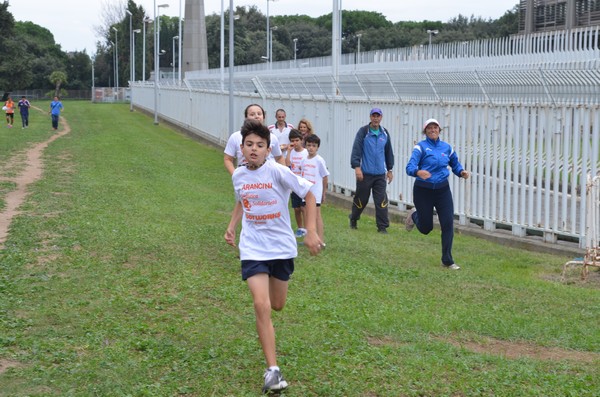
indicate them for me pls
(156, 52)
(116, 57)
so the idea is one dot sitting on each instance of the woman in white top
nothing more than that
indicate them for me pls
(233, 151)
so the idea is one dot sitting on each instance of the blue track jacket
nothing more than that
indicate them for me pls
(435, 157)
(372, 153)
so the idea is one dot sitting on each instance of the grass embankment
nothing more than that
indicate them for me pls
(115, 280)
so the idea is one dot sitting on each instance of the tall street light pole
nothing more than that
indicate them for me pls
(269, 36)
(114, 67)
(135, 31)
(295, 49)
(174, 38)
(132, 68)
(431, 33)
(231, 61)
(156, 52)
(93, 80)
(179, 45)
(116, 56)
(271, 47)
(130, 41)
(358, 48)
(222, 52)
(146, 20)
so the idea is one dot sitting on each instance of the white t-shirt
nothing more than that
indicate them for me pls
(233, 148)
(264, 193)
(283, 135)
(296, 159)
(314, 170)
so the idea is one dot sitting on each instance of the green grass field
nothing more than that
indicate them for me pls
(115, 280)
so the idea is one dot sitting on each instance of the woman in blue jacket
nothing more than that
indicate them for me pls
(429, 165)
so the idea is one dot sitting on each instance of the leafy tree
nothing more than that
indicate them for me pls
(14, 65)
(57, 78)
(79, 70)
(508, 23)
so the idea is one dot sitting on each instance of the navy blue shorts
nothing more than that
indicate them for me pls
(297, 202)
(281, 269)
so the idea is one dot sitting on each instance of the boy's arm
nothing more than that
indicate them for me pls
(324, 189)
(229, 165)
(288, 161)
(311, 240)
(236, 217)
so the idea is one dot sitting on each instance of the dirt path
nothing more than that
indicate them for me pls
(32, 171)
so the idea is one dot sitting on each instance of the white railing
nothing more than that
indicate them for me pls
(529, 136)
(591, 257)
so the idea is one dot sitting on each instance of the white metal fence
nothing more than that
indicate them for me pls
(525, 124)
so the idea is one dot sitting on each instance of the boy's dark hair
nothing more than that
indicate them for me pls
(313, 139)
(252, 126)
(294, 133)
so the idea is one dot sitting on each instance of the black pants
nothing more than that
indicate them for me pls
(378, 184)
(441, 199)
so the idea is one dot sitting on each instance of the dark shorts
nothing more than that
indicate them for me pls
(281, 269)
(297, 202)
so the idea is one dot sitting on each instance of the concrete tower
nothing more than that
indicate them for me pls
(195, 49)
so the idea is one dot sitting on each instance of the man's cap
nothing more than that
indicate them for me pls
(430, 121)
(376, 110)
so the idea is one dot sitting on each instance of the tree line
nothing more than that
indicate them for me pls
(31, 56)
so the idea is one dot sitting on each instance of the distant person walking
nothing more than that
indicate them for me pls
(429, 164)
(55, 107)
(372, 159)
(9, 108)
(24, 106)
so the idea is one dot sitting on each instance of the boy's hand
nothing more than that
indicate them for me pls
(312, 242)
(291, 147)
(230, 237)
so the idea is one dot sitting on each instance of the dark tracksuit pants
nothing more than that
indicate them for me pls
(25, 119)
(428, 198)
(378, 184)
(55, 121)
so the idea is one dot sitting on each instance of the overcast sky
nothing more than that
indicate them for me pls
(72, 21)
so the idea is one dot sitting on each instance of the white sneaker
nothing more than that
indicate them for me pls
(453, 266)
(409, 223)
(274, 381)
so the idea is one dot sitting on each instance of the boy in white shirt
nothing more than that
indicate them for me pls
(262, 190)
(294, 157)
(315, 171)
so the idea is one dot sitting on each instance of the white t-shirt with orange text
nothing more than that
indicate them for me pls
(264, 193)
(314, 170)
(296, 159)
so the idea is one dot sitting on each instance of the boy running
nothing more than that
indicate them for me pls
(294, 157)
(315, 171)
(262, 190)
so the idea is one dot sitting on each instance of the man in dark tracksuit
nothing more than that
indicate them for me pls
(372, 159)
